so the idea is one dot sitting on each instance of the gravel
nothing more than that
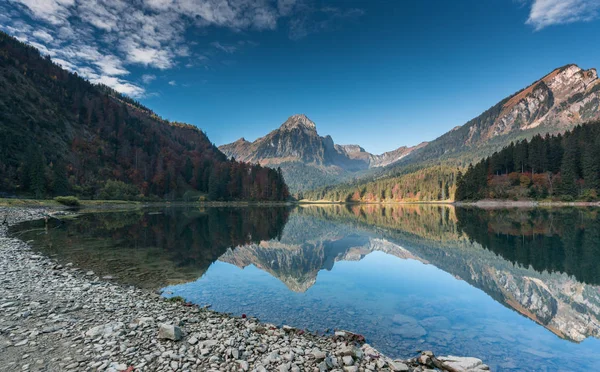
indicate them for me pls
(57, 317)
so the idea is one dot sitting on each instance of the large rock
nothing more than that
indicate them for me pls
(464, 364)
(169, 332)
(407, 327)
(105, 330)
(398, 366)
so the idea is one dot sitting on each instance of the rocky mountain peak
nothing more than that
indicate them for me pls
(300, 121)
(350, 149)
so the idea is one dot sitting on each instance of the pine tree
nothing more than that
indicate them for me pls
(568, 168)
(591, 166)
(37, 174)
(60, 184)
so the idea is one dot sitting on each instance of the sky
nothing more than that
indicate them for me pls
(378, 73)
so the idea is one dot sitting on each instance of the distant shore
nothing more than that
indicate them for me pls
(58, 317)
(490, 203)
(487, 203)
(124, 204)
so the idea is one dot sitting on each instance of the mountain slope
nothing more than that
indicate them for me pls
(566, 97)
(559, 101)
(61, 134)
(307, 159)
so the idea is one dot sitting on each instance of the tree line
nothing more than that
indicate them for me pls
(435, 183)
(60, 134)
(563, 166)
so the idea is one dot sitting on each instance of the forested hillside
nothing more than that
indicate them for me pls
(436, 183)
(560, 166)
(564, 98)
(60, 134)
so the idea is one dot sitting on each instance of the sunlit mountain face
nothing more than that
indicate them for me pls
(505, 286)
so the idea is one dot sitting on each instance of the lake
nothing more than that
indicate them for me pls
(518, 288)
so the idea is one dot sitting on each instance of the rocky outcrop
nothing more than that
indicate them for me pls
(564, 98)
(296, 145)
(557, 99)
(378, 161)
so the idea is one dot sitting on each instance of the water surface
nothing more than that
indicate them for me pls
(517, 288)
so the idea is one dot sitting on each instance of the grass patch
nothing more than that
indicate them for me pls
(70, 201)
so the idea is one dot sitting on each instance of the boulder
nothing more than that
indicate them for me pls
(169, 332)
(464, 364)
(105, 330)
(398, 366)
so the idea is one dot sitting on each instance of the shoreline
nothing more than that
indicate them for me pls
(93, 205)
(57, 317)
(490, 203)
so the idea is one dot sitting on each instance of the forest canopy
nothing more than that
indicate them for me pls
(564, 166)
(60, 134)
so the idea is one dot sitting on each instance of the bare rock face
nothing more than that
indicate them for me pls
(377, 161)
(296, 142)
(564, 97)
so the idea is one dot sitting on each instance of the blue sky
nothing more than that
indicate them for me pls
(379, 73)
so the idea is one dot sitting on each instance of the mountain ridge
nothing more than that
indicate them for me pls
(297, 144)
(562, 99)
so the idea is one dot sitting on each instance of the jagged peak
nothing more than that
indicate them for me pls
(241, 140)
(299, 121)
(352, 148)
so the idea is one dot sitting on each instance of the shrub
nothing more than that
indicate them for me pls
(525, 181)
(567, 198)
(70, 201)
(589, 195)
(118, 190)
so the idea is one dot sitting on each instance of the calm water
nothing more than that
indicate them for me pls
(518, 288)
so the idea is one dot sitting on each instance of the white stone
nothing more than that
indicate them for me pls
(169, 332)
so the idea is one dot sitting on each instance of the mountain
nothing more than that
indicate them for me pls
(375, 161)
(307, 159)
(60, 134)
(566, 97)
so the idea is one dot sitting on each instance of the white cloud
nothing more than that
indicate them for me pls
(148, 56)
(55, 12)
(546, 13)
(172, 83)
(100, 39)
(225, 48)
(65, 64)
(120, 85)
(110, 65)
(43, 35)
(148, 78)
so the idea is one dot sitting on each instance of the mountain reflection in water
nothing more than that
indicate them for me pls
(398, 274)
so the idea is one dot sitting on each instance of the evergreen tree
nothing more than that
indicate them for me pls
(568, 169)
(37, 174)
(60, 184)
(591, 165)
